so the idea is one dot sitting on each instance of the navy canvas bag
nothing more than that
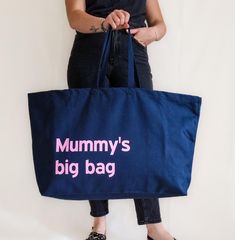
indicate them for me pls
(113, 143)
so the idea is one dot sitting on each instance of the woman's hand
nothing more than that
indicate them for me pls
(146, 35)
(118, 19)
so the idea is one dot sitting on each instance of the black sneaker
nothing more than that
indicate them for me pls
(96, 236)
(149, 238)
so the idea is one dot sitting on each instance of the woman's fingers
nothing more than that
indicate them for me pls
(127, 16)
(121, 16)
(134, 30)
(118, 19)
(111, 21)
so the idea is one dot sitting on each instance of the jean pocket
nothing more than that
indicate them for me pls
(138, 43)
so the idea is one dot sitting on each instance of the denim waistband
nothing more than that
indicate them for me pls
(117, 31)
(99, 35)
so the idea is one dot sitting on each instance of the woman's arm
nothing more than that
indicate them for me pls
(87, 23)
(156, 27)
(79, 19)
(154, 19)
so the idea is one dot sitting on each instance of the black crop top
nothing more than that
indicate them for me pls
(136, 8)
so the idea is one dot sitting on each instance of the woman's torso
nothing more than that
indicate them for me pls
(87, 47)
(101, 8)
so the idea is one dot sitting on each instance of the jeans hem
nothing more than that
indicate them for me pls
(141, 222)
(99, 214)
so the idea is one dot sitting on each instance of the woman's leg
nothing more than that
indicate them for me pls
(148, 212)
(99, 208)
(147, 209)
(82, 73)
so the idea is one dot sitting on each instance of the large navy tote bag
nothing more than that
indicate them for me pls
(113, 142)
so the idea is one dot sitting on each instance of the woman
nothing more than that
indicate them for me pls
(90, 19)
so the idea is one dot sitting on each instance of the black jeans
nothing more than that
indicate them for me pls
(82, 72)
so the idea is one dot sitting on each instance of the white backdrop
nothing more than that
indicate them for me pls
(196, 56)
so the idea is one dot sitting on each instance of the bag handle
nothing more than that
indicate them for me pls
(104, 60)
